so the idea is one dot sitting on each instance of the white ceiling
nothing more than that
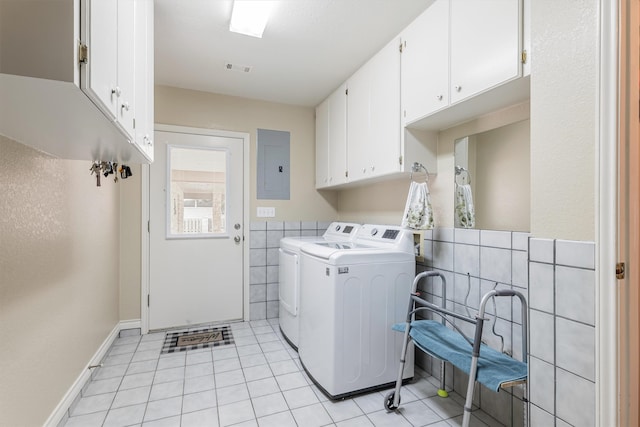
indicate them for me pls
(308, 49)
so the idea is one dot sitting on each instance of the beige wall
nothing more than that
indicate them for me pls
(130, 244)
(206, 110)
(58, 278)
(384, 202)
(564, 72)
(501, 182)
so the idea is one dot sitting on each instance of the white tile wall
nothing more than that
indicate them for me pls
(575, 399)
(575, 348)
(541, 250)
(541, 294)
(575, 294)
(576, 254)
(474, 262)
(562, 298)
(558, 279)
(539, 417)
(542, 384)
(468, 236)
(497, 239)
(495, 264)
(467, 259)
(264, 242)
(541, 335)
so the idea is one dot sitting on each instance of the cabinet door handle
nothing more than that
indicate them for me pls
(125, 106)
(116, 91)
(458, 88)
(439, 97)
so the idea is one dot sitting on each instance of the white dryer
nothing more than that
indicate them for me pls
(353, 294)
(289, 274)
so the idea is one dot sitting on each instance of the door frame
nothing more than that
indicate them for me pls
(144, 277)
(628, 215)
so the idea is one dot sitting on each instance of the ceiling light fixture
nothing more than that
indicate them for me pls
(250, 17)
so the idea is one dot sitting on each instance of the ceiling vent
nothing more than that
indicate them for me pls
(237, 67)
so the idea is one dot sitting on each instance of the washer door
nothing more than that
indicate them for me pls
(289, 281)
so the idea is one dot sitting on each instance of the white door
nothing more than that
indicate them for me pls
(196, 230)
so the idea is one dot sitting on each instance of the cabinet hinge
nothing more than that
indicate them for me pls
(148, 299)
(134, 123)
(148, 226)
(346, 92)
(400, 160)
(620, 270)
(346, 174)
(402, 44)
(83, 53)
(523, 56)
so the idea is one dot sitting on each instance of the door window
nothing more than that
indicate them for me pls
(197, 190)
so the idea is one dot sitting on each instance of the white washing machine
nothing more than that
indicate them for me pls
(353, 293)
(289, 274)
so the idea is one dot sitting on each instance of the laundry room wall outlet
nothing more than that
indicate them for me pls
(266, 212)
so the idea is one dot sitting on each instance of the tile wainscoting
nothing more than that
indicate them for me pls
(558, 279)
(264, 260)
(474, 262)
(562, 334)
(556, 276)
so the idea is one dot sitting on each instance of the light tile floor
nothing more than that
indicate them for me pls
(258, 381)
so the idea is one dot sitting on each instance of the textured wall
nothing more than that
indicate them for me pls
(564, 76)
(59, 263)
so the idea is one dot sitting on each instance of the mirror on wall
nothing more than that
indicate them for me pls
(492, 179)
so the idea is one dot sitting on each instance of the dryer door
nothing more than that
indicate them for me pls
(289, 281)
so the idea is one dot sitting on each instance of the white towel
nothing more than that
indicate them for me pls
(418, 213)
(465, 212)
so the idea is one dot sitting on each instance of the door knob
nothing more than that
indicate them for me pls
(236, 239)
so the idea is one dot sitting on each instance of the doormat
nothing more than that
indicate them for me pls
(193, 340)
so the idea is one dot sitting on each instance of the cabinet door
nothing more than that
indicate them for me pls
(322, 144)
(125, 111)
(485, 45)
(144, 76)
(338, 136)
(425, 63)
(373, 116)
(385, 123)
(99, 24)
(359, 123)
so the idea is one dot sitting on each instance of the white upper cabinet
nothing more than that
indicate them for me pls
(362, 134)
(461, 59)
(338, 136)
(485, 45)
(99, 73)
(108, 77)
(126, 80)
(144, 76)
(425, 63)
(75, 95)
(331, 139)
(373, 116)
(322, 144)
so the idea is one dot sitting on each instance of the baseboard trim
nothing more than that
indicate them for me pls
(74, 391)
(130, 324)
